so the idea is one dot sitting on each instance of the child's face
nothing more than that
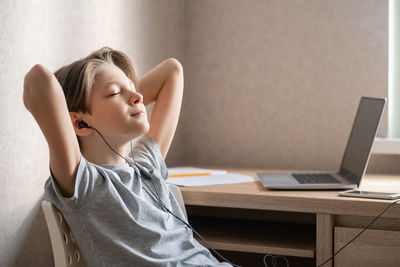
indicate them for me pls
(115, 104)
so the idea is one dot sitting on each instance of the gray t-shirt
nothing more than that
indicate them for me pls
(117, 222)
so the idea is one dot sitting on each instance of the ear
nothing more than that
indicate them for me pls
(75, 119)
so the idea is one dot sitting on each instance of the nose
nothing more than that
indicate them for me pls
(136, 99)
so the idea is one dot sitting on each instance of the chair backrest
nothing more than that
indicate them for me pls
(177, 193)
(65, 250)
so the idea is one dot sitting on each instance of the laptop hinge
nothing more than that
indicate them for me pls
(350, 176)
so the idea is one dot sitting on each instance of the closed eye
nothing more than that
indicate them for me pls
(115, 94)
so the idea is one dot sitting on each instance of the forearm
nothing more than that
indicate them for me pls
(166, 89)
(150, 85)
(165, 114)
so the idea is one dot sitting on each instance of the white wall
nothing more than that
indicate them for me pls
(276, 84)
(55, 33)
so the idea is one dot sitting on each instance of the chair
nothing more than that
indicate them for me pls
(177, 193)
(65, 250)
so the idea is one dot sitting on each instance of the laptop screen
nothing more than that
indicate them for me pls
(361, 138)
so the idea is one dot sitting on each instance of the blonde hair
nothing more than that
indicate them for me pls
(77, 78)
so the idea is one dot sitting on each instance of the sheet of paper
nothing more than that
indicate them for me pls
(229, 178)
(193, 170)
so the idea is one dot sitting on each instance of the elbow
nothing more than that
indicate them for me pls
(35, 81)
(41, 72)
(175, 65)
(176, 73)
(37, 77)
(38, 68)
(38, 73)
(29, 79)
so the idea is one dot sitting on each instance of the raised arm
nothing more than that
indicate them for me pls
(163, 84)
(44, 98)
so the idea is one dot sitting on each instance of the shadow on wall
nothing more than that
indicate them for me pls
(34, 239)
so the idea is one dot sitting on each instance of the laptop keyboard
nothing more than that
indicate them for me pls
(315, 178)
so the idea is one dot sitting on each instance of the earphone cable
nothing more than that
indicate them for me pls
(158, 198)
(188, 225)
(354, 238)
(274, 260)
(107, 143)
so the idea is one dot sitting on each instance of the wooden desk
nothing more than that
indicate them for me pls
(310, 224)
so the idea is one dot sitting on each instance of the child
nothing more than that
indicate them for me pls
(110, 196)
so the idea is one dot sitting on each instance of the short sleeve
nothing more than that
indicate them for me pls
(148, 154)
(84, 186)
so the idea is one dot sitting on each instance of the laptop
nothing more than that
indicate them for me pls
(354, 161)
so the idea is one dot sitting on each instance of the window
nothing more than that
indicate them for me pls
(391, 144)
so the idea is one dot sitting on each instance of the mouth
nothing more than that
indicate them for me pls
(138, 113)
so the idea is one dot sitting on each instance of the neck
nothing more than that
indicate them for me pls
(95, 150)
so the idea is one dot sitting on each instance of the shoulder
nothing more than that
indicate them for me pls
(88, 178)
(148, 154)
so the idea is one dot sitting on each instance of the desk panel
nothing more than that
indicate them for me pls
(330, 209)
